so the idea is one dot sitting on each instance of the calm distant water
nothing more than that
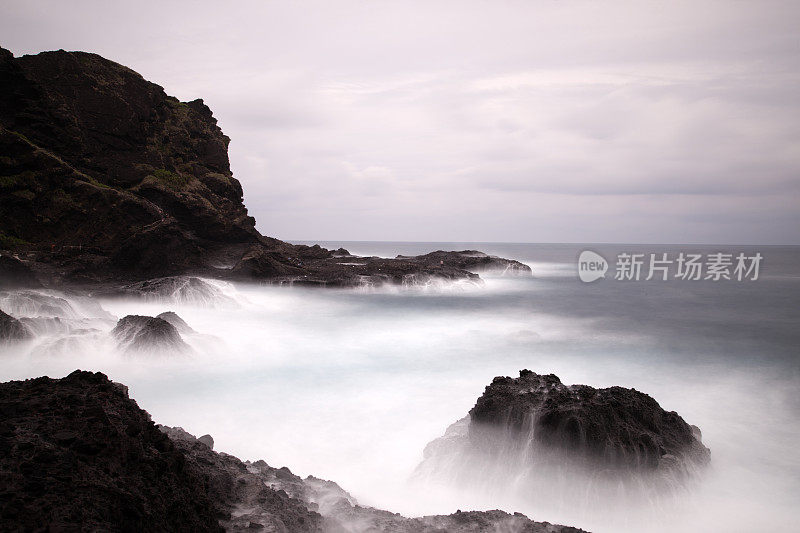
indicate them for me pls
(754, 322)
(351, 384)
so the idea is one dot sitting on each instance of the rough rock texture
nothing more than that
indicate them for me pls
(176, 321)
(12, 329)
(14, 274)
(136, 333)
(340, 512)
(612, 428)
(104, 177)
(78, 454)
(535, 437)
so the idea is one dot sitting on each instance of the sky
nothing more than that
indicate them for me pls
(474, 121)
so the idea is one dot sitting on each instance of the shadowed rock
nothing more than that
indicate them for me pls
(78, 454)
(537, 438)
(179, 323)
(136, 333)
(613, 427)
(12, 329)
(14, 274)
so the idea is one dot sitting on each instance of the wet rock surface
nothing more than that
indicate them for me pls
(611, 428)
(107, 179)
(176, 321)
(77, 453)
(12, 329)
(600, 451)
(14, 274)
(136, 333)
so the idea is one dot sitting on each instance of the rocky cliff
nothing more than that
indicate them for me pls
(78, 454)
(103, 176)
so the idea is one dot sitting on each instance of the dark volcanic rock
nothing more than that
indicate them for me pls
(472, 261)
(601, 450)
(12, 329)
(14, 274)
(136, 333)
(177, 289)
(341, 512)
(78, 454)
(613, 427)
(176, 321)
(104, 177)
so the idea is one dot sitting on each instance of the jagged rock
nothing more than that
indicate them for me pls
(14, 274)
(78, 454)
(554, 443)
(37, 304)
(136, 333)
(12, 329)
(176, 321)
(613, 427)
(208, 440)
(176, 289)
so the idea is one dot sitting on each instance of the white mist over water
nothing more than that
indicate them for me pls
(350, 385)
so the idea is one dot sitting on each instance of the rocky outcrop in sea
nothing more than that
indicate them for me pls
(573, 445)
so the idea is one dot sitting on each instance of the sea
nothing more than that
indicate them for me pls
(351, 384)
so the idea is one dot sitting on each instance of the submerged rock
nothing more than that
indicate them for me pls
(136, 333)
(76, 454)
(12, 329)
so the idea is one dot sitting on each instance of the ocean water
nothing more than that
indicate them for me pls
(350, 385)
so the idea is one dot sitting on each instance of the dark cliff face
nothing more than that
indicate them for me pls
(95, 155)
(104, 177)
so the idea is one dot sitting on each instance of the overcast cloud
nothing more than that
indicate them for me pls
(478, 121)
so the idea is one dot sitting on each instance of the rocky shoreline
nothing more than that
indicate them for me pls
(78, 454)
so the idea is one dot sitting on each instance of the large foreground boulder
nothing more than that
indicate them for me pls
(78, 454)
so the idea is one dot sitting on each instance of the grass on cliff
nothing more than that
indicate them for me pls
(171, 179)
(8, 241)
